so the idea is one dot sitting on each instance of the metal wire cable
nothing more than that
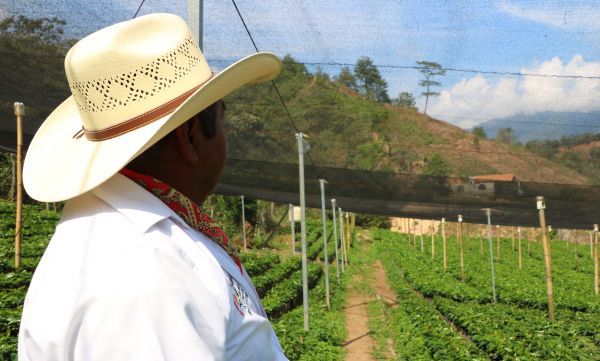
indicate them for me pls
(138, 9)
(273, 83)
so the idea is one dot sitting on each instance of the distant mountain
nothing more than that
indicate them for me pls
(545, 125)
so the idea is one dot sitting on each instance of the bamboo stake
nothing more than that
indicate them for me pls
(480, 244)
(529, 244)
(349, 238)
(498, 240)
(444, 241)
(575, 252)
(19, 112)
(462, 255)
(414, 228)
(591, 245)
(432, 239)
(520, 255)
(547, 255)
(421, 236)
(512, 234)
(596, 259)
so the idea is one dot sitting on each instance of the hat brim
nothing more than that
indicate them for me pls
(58, 167)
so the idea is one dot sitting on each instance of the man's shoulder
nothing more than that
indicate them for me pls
(117, 199)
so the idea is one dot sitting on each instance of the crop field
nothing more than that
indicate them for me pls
(438, 317)
(277, 278)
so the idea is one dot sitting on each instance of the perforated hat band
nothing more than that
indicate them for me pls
(138, 121)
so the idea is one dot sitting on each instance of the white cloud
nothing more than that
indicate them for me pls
(563, 15)
(477, 99)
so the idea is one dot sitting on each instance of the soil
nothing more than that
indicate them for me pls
(359, 344)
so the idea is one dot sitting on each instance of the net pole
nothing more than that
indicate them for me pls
(335, 239)
(244, 223)
(326, 259)
(596, 259)
(300, 141)
(444, 241)
(462, 253)
(488, 213)
(293, 228)
(421, 235)
(541, 206)
(19, 112)
(341, 223)
(520, 252)
(432, 239)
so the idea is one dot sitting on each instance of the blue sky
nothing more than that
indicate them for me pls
(547, 37)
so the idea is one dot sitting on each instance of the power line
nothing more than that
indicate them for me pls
(272, 82)
(415, 67)
(138, 9)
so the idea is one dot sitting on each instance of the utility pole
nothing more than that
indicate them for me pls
(195, 12)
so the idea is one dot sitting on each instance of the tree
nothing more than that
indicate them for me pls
(346, 78)
(436, 165)
(430, 70)
(405, 100)
(369, 81)
(506, 135)
(479, 132)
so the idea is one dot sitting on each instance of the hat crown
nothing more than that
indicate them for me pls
(128, 69)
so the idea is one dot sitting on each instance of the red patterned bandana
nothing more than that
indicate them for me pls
(189, 211)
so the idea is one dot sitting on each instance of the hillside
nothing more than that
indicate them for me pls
(545, 125)
(345, 130)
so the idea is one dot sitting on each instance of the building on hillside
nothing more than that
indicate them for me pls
(489, 185)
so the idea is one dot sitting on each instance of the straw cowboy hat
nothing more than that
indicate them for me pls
(132, 83)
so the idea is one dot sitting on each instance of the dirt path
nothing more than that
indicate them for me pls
(359, 344)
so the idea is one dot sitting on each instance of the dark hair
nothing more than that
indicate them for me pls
(208, 121)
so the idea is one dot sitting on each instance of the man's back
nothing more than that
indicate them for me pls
(125, 279)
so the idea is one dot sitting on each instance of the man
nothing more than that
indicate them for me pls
(135, 270)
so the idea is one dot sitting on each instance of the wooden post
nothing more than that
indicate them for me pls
(547, 255)
(529, 244)
(432, 239)
(348, 234)
(498, 239)
(596, 259)
(520, 254)
(414, 229)
(591, 245)
(444, 241)
(480, 244)
(19, 112)
(421, 235)
(462, 255)
(512, 234)
(575, 252)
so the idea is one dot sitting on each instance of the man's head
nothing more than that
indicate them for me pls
(133, 84)
(192, 157)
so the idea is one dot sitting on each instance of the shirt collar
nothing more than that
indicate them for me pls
(138, 205)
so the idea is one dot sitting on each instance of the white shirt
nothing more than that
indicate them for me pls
(124, 279)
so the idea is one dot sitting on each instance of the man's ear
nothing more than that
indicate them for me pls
(185, 142)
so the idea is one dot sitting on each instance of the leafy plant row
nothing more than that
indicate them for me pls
(509, 332)
(418, 329)
(288, 293)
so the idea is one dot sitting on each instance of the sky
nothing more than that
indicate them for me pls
(505, 36)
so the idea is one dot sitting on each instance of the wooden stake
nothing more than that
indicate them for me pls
(432, 239)
(529, 244)
(19, 112)
(421, 227)
(414, 233)
(444, 241)
(575, 252)
(512, 234)
(480, 244)
(591, 245)
(596, 259)
(498, 240)
(547, 255)
(462, 255)
(520, 256)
